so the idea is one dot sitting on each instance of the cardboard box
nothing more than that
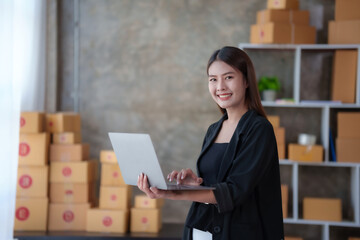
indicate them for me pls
(32, 122)
(313, 153)
(73, 172)
(63, 122)
(68, 216)
(344, 76)
(283, 4)
(115, 197)
(143, 201)
(31, 214)
(348, 125)
(108, 156)
(283, 16)
(69, 152)
(344, 32)
(111, 175)
(280, 135)
(282, 33)
(101, 220)
(285, 193)
(354, 238)
(348, 150)
(145, 220)
(347, 10)
(32, 181)
(72, 192)
(67, 138)
(33, 149)
(281, 151)
(326, 209)
(293, 238)
(274, 120)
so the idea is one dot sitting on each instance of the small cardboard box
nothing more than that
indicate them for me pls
(347, 10)
(354, 238)
(285, 193)
(274, 120)
(101, 220)
(282, 33)
(73, 172)
(67, 138)
(281, 151)
(313, 153)
(348, 150)
(33, 149)
(344, 76)
(111, 175)
(293, 238)
(32, 122)
(284, 16)
(67, 216)
(348, 125)
(108, 156)
(115, 197)
(63, 122)
(327, 209)
(280, 135)
(31, 214)
(143, 201)
(344, 32)
(32, 181)
(145, 220)
(283, 4)
(72, 192)
(69, 152)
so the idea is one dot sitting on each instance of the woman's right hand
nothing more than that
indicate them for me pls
(185, 177)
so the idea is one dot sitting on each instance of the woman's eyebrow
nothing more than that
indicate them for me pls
(222, 74)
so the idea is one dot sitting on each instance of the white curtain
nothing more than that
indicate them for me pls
(22, 88)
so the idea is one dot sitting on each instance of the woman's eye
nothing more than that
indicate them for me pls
(229, 77)
(212, 79)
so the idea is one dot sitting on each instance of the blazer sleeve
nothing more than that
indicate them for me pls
(250, 164)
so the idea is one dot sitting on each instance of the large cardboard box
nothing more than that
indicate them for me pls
(313, 153)
(354, 238)
(111, 175)
(283, 4)
(293, 238)
(68, 216)
(32, 122)
(348, 150)
(347, 10)
(73, 172)
(63, 122)
(101, 220)
(280, 135)
(274, 120)
(344, 76)
(33, 149)
(67, 138)
(344, 32)
(327, 209)
(115, 197)
(72, 192)
(31, 214)
(282, 33)
(285, 199)
(145, 220)
(348, 125)
(281, 150)
(69, 152)
(32, 181)
(283, 16)
(143, 201)
(108, 156)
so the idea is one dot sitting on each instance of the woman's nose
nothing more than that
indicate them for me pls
(220, 86)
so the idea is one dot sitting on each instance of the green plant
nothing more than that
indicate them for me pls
(268, 83)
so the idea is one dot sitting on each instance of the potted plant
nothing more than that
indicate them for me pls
(268, 87)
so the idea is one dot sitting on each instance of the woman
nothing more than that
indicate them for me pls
(239, 158)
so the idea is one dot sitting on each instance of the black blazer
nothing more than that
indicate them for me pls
(248, 189)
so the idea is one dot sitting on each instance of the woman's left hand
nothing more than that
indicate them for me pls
(153, 192)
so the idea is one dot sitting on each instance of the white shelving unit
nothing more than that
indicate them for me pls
(325, 108)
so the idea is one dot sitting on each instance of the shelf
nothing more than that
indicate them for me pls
(318, 222)
(300, 46)
(309, 105)
(318, 164)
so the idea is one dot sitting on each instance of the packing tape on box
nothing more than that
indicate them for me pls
(306, 139)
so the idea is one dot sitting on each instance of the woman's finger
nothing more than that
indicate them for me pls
(173, 175)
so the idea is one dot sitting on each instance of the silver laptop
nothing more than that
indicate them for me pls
(135, 154)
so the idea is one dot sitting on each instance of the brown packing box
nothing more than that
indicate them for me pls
(101, 220)
(32, 122)
(67, 216)
(312, 153)
(285, 209)
(274, 120)
(67, 138)
(69, 152)
(282, 33)
(327, 209)
(281, 151)
(145, 220)
(115, 197)
(344, 32)
(63, 122)
(111, 175)
(280, 135)
(348, 125)
(293, 238)
(348, 150)
(285, 199)
(347, 10)
(32, 181)
(73, 172)
(284, 16)
(354, 238)
(33, 149)
(283, 4)
(31, 214)
(108, 156)
(142, 201)
(72, 192)
(344, 76)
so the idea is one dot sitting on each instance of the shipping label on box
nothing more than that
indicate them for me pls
(67, 138)
(65, 216)
(32, 122)
(111, 175)
(72, 192)
(143, 201)
(348, 150)
(312, 153)
(344, 32)
(145, 220)
(101, 220)
(63, 122)
(283, 16)
(33, 149)
(108, 156)
(283, 4)
(348, 125)
(326, 209)
(31, 214)
(69, 152)
(115, 197)
(73, 172)
(32, 181)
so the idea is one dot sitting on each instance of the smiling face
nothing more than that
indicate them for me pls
(227, 86)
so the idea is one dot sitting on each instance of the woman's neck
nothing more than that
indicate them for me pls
(234, 115)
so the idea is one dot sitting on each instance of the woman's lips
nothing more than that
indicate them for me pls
(224, 97)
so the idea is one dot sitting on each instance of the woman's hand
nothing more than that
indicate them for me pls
(185, 177)
(153, 192)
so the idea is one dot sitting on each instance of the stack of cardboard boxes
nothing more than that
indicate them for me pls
(115, 198)
(283, 22)
(72, 174)
(326, 209)
(32, 181)
(279, 134)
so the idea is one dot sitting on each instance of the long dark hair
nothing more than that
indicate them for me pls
(238, 59)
